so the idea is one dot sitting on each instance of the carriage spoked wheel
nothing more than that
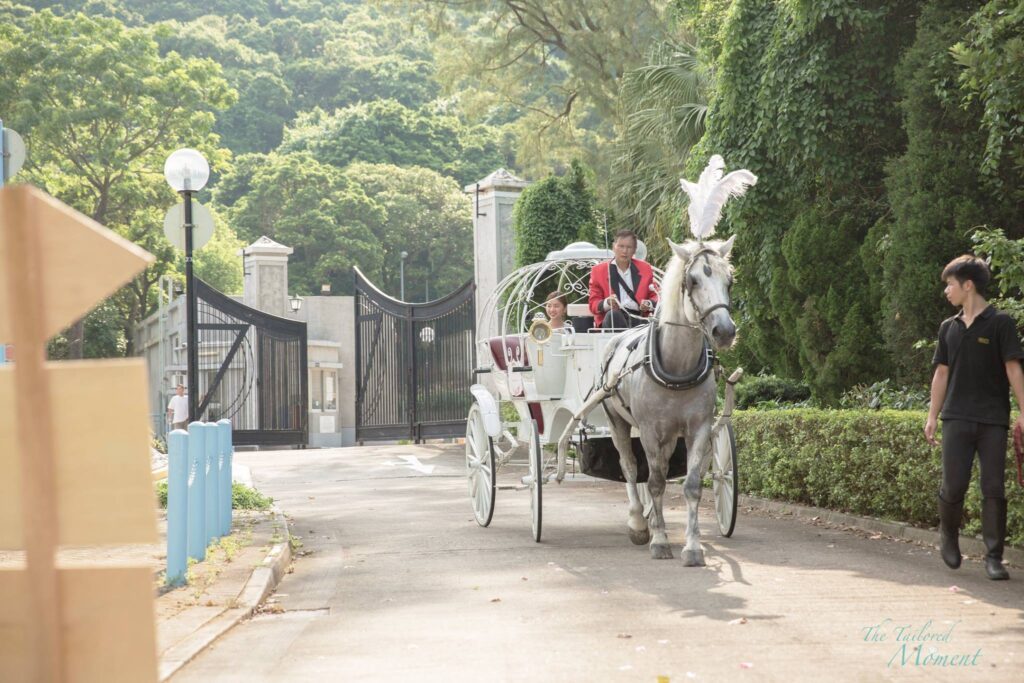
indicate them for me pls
(480, 471)
(536, 479)
(725, 478)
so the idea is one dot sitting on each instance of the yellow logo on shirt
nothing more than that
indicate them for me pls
(983, 340)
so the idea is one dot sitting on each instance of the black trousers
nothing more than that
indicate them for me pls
(621, 321)
(961, 439)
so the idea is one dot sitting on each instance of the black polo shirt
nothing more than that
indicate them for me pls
(978, 389)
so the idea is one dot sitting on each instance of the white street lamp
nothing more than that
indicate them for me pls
(186, 172)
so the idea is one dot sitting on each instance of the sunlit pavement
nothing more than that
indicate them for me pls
(395, 582)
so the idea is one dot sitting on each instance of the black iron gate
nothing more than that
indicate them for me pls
(252, 371)
(414, 364)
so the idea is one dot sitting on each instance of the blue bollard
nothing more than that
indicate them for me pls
(212, 452)
(226, 494)
(196, 491)
(177, 506)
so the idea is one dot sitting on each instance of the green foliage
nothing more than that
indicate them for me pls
(317, 210)
(242, 497)
(992, 54)
(873, 463)
(800, 87)
(768, 389)
(550, 67)
(1006, 258)
(426, 215)
(245, 498)
(934, 191)
(551, 214)
(100, 109)
(663, 106)
(885, 394)
(387, 132)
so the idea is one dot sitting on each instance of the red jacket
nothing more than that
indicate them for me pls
(600, 287)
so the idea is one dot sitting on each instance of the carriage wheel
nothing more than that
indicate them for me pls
(725, 478)
(480, 471)
(536, 478)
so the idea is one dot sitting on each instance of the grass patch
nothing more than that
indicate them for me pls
(242, 497)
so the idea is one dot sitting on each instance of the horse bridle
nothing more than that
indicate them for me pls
(686, 290)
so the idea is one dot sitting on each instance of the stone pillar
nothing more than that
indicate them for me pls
(265, 269)
(493, 245)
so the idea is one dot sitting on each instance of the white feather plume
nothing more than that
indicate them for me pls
(709, 194)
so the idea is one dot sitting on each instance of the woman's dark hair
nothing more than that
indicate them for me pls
(971, 268)
(558, 295)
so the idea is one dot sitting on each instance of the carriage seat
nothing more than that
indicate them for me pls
(510, 345)
(581, 317)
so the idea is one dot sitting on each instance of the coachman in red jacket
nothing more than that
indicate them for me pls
(622, 283)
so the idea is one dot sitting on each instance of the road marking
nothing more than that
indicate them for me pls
(413, 463)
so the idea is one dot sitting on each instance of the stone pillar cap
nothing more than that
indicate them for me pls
(265, 246)
(499, 180)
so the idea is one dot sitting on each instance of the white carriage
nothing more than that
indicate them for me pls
(549, 376)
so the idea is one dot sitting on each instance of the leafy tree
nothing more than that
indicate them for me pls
(100, 110)
(426, 215)
(936, 191)
(804, 97)
(663, 107)
(551, 214)
(551, 67)
(386, 132)
(317, 210)
(992, 53)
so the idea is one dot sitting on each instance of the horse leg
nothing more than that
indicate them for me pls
(693, 554)
(637, 524)
(658, 454)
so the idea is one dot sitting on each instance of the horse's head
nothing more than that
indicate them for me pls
(697, 286)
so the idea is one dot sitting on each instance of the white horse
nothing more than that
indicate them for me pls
(666, 386)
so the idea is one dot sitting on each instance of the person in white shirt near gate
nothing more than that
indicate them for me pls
(177, 409)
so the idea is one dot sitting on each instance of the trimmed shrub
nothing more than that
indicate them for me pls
(242, 497)
(873, 463)
(757, 391)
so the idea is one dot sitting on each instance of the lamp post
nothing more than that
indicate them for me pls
(401, 274)
(186, 172)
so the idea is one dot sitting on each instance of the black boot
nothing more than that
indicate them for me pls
(993, 531)
(950, 515)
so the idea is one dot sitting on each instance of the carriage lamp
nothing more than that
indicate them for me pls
(296, 302)
(540, 331)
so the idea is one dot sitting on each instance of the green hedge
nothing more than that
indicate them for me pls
(873, 463)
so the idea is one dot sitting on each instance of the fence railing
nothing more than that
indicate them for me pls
(198, 492)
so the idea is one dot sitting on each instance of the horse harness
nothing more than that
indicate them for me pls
(651, 361)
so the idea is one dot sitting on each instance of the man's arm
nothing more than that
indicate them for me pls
(938, 396)
(1015, 374)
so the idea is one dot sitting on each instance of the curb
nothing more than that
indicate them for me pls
(261, 583)
(900, 530)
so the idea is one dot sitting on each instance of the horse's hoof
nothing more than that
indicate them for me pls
(642, 537)
(661, 551)
(693, 558)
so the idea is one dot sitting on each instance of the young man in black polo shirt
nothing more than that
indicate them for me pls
(976, 363)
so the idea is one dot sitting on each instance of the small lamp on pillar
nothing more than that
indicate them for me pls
(401, 274)
(296, 303)
(187, 171)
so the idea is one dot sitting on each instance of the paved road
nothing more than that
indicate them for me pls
(401, 585)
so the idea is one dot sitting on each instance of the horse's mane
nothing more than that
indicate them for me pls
(671, 293)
